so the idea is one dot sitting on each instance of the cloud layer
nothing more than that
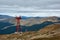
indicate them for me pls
(30, 7)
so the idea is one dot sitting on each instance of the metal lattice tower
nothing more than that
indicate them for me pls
(18, 23)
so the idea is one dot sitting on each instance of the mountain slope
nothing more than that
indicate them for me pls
(50, 32)
(50, 28)
(8, 28)
(53, 33)
(30, 24)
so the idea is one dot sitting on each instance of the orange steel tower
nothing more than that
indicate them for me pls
(18, 23)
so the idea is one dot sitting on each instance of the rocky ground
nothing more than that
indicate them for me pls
(30, 36)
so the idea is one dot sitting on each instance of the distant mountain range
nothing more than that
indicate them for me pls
(27, 23)
(23, 17)
(5, 16)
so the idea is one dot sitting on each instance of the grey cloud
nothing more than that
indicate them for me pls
(15, 5)
(27, 3)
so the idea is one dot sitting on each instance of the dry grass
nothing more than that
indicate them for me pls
(50, 28)
(53, 38)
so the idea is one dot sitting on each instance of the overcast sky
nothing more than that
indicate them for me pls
(30, 7)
